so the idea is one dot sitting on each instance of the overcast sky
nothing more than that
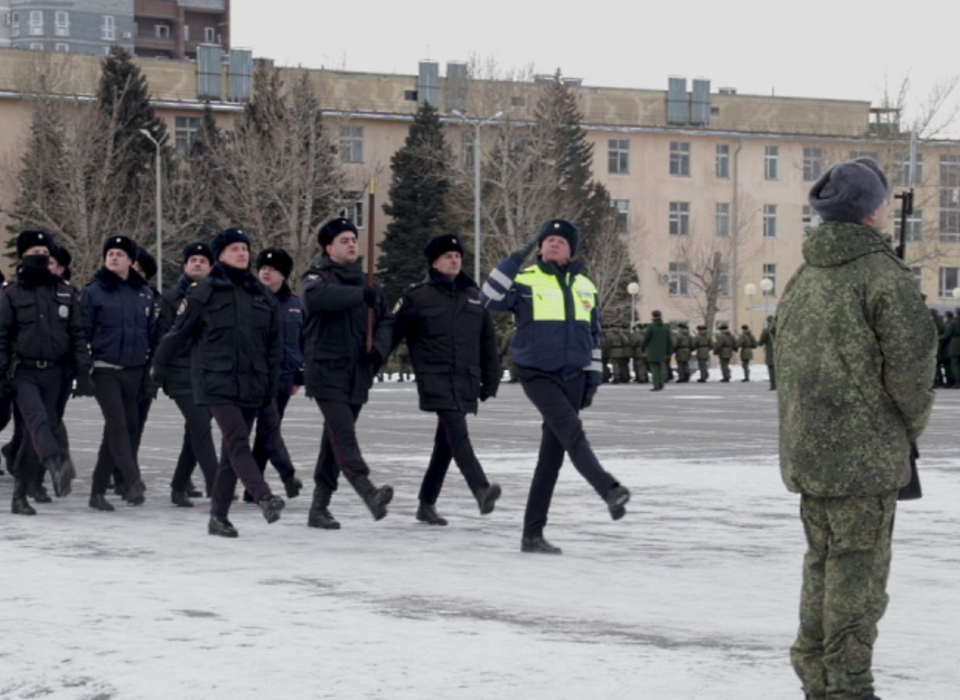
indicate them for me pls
(841, 49)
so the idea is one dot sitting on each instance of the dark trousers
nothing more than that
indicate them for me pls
(11, 449)
(339, 450)
(703, 364)
(236, 460)
(118, 391)
(558, 401)
(6, 414)
(197, 446)
(268, 443)
(656, 371)
(38, 395)
(746, 369)
(773, 376)
(640, 369)
(452, 441)
(725, 368)
(683, 370)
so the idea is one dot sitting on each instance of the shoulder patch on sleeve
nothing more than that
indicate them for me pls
(182, 309)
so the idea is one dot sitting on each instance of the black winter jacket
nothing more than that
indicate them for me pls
(178, 381)
(336, 332)
(120, 318)
(290, 312)
(231, 319)
(40, 320)
(453, 346)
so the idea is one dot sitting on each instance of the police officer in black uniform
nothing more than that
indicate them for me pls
(232, 319)
(41, 337)
(119, 317)
(178, 385)
(340, 368)
(453, 347)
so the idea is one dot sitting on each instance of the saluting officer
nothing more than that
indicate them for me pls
(41, 337)
(340, 368)
(197, 444)
(454, 351)
(557, 349)
(119, 318)
(232, 319)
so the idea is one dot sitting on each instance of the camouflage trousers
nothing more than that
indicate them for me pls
(703, 363)
(641, 370)
(725, 368)
(844, 593)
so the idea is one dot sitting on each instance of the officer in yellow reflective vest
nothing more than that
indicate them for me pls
(556, 348)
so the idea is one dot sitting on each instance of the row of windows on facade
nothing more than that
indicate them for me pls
(618, 161)
(108, 27)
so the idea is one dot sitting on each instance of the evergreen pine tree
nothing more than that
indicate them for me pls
(417, 203)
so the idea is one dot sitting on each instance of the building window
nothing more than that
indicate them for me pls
(209, 35)
(618, 156)
(723, 280)
(162, 31)
(771, 163)
(914, 226)
(62, 48)
(680, 158)
(36, 23)
(410, 95)
(917, 273)
(36, 46)
(186, 32)
(769, 220)
(812, 164)
(108, 30)
(950, 199)
(723, 219)
(679, 218)
(14, 24)
(723, 160)
(864, 154)
(949, 280)
(622, 207)
(62, 23)
(678, 279)
(351, 144)
(186, 129)
(901, 169)
(770, 273)
(354, 212)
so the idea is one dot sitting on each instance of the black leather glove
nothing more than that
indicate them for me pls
(7, 390)
(266, 401)
(373, 358)
(83, 385)
(485, 394)
(370, 296)
(588, 395)
(914, 451)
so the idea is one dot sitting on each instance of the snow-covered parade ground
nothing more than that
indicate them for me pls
(693, 595)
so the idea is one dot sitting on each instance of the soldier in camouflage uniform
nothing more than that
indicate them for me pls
(747, 343)
(641, 371)
(766, 340)
(702, 345)
(724, 347)
(951, 339)
(620, 352)
(846, 436)
(682, 346)
(403, 362)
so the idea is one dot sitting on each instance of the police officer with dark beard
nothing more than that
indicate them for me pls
(340, 368)
(41, 337)
(454, 351)
(232, 319)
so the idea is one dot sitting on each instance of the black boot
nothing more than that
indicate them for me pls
(20, 505)
(192, 491)
(320, 516)
(271, 506)
(38, 493)
(538, 545)
(616, 499)
(487, 498)
(292, 486)
(135, 495)
(99, 502)
(427, 513)
(61, 474)
(180, 499)
(376, 499)
(220, 526)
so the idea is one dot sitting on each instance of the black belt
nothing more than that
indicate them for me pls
(39, 364)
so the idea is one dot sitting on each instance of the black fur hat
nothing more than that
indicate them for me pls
(334, 228)
(124, 243)
(278, 259)
(28, 239)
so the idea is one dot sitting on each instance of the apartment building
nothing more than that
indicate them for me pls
(68, 26)
(175, 28)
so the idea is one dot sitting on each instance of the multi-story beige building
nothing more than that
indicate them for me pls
(698, 177)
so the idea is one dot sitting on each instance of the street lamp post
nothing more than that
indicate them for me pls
(477, 125)
(156, 145)
(633, 289)
(750, 288)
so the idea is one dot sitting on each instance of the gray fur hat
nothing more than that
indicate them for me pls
(850, 191)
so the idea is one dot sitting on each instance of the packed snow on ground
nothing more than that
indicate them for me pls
(693, 595)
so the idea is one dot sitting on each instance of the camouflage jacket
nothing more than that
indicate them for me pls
(854, 352)
(951, 338)
(702, 345)
(766, 341)
(725, 345)
(682, 343)
(746, 343)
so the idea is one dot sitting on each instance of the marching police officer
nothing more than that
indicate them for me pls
(41, 338)
(178, 385)
(339, 366)
(453, 347)
(119, 318)
(232, 319)
(557, 350)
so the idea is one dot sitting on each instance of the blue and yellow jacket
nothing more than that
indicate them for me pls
(557, 315)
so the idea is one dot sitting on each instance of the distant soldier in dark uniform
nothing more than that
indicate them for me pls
(939, 377)
(767, 337)
(658, 344)
(41, 337)
(724, 347)
(747, 344)
(454, 351)
(232, 319)
(682, 347)
(702, 345)
(620, 354)
(951, 340)
(641, 371)
(340, 368)
(119, 318)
